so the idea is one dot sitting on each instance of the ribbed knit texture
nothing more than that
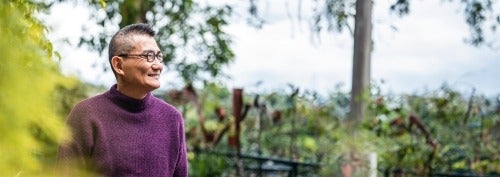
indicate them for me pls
(116, 135)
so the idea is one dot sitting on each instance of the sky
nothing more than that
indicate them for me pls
(425, 51)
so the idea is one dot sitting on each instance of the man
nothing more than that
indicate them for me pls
(126, 131)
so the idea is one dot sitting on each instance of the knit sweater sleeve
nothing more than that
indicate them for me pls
(182, 163)
(71, 155)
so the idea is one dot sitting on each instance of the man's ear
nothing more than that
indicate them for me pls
(117, 64)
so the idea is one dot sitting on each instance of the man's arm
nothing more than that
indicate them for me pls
(181, 169)
(71, 154)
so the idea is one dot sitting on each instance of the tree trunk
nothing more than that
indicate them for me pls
(360, 80)
(361, 59)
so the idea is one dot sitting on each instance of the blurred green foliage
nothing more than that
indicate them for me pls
(31, 104)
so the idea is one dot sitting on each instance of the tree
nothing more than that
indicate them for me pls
(361, 59)
(190, 35)
(30, 125)
(335, 15)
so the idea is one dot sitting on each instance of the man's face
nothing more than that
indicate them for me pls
(138, 73)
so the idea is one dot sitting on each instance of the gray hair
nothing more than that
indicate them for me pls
(122, 43)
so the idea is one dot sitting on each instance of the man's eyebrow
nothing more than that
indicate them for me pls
(147, 51)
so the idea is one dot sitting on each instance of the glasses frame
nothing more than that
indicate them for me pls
(150, 56)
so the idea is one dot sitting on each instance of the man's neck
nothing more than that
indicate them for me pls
(131, 91)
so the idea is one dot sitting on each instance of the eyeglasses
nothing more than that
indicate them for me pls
(150, 56)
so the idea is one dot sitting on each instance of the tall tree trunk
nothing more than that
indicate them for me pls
(360, 81)
(361, 60)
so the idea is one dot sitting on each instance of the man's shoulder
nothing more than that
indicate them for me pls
(90, 102)
(85, 110)
(162, 104)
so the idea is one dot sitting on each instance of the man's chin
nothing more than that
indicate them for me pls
(154, 86)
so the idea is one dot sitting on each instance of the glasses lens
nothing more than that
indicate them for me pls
(151, 56)
(159, 57)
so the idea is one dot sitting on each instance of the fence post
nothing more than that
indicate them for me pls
(372, 160)
(237, 113)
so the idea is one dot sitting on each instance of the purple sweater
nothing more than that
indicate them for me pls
(115, 135)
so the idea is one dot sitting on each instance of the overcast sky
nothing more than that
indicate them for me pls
(426, 50)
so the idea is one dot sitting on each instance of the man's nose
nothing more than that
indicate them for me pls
(157, 65)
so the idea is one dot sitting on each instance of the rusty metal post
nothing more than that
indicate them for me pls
(237, 108)
(237, 113)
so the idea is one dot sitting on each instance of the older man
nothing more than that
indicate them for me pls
(126, 131)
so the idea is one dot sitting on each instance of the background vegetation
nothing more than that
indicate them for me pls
(438, 131)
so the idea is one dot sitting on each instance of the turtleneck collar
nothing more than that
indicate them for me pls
(126, 102)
